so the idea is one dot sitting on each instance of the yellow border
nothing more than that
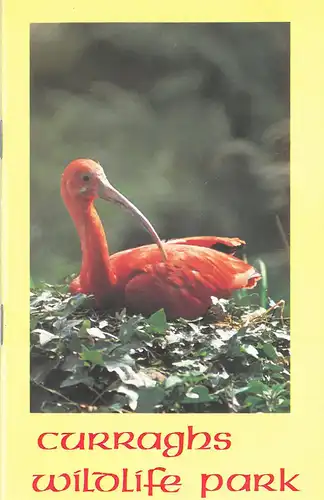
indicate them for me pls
(261, 443)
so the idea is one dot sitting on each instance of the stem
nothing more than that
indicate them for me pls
(283, 235)
(264, 284)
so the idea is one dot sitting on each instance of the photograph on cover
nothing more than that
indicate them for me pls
(185, 306)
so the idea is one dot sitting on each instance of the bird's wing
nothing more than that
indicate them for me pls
(183, 286)
(225, 245)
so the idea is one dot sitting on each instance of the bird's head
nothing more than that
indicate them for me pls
(84, 180)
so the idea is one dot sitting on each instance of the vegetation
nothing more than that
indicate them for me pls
(234, 360)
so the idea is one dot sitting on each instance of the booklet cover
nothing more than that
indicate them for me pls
(177, 350)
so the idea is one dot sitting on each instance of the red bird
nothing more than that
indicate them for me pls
(179, 276)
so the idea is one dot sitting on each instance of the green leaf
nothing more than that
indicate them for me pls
(44, 336)
(92, 356)
(274, 368)
(75, 344)
(72, 363)
(128, 376)
(132, 396)
(158, 322)
(148, 398)
(257, 387)
(76, 379)
(241, 389)
(198, 394)
(270, 351)
(172, 381)
(278, 388)
(72, 305)
(83, 333)
(251, 350)
(253, 401)
(96, 333)
(285, 403)
(127, 330)
(41, 367)
(281, 335)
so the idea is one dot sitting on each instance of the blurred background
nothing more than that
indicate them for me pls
(190, 122)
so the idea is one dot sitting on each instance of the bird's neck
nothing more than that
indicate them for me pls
(96, 274)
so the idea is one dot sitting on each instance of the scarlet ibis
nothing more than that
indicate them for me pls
(179, 276)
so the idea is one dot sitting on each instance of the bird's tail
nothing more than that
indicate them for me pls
(245, 276)
(253, 279)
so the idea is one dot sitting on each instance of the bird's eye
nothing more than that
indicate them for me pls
(86, 178)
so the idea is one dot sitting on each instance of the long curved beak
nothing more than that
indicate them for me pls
(107, 192)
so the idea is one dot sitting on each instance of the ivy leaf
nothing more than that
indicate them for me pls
(127, 330)
(45, 336)
(92, 356)
(158, 322)
(251, 350)
(77, 378)
(270, 351)
(148, 398)
(96, 333)
(172, 381)
(198, 394)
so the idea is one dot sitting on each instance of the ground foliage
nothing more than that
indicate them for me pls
(237, 359)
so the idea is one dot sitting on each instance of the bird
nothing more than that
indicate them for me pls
(179, 276)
